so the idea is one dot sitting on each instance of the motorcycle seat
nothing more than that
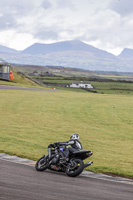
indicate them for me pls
(81, 151)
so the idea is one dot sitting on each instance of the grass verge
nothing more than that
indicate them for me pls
(20, 80)
(30, 120)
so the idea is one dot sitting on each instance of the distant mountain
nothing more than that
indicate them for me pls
(73, 45)
(74, 53)
(126, 53)
(4, 49)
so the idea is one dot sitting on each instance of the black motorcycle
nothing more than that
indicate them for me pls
(63, 159)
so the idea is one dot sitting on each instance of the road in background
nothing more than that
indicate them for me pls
(19, 182)
(10, 87)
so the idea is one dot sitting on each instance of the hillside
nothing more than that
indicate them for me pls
(32, 120)
(72, 46)
(19, 80)
(72, 54)
(7, 49)
(126, 53)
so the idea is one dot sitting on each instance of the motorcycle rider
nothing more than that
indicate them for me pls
(73, 142)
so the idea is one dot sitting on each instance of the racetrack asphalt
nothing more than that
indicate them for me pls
(19, 182)
(10, 87)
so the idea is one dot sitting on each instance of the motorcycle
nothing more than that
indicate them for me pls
(62, 159)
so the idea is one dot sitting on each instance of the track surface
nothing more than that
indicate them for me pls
(19, 182)
(9, 87)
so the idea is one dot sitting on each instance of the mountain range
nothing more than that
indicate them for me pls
(74, 53)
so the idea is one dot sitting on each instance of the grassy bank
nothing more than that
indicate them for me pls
(19, 80)
(30, 120)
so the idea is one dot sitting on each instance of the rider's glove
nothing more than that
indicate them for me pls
(57, 143)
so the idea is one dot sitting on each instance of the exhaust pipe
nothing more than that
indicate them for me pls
(88, 164)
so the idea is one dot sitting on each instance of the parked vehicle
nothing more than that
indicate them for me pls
(63, 160)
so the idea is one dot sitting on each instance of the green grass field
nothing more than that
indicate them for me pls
(102, 87)
(30, 120)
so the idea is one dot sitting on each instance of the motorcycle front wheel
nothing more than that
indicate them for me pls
(75, 167)
(42, 164)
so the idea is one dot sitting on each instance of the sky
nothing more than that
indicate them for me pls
(105, 24)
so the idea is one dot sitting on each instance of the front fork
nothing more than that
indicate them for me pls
(50, 156)
(49, 153)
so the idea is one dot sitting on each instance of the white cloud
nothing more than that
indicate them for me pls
(15, 40)
(104, 24)
(123, 7)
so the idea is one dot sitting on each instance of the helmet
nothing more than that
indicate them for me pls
(74, 136)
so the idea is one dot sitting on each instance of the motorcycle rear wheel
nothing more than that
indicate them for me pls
(42, 164)
(79, 166)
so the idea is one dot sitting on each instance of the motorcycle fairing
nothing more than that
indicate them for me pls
(83, 154)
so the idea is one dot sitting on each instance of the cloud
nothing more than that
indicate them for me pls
(123, 7)
(16, 7)
(46, 4)
(12, 10)
(7, 21)
(105, 24)
(47, 35)
(65, 4)
(16, 40)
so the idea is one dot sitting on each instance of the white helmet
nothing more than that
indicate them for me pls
(74, 136)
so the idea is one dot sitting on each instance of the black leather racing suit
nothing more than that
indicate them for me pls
(75, 146)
